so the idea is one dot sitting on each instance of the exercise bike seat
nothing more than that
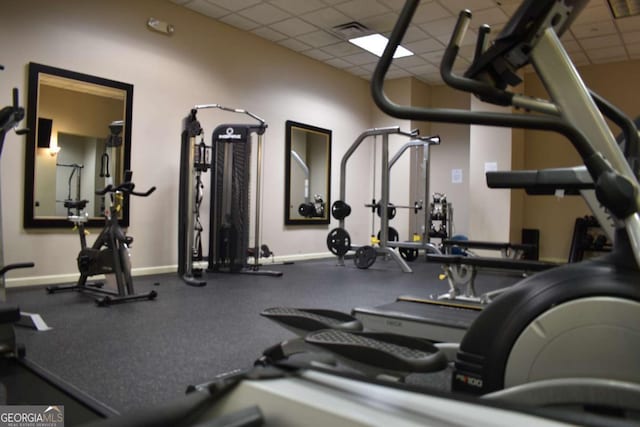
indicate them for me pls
(75, 204)
(302, 321)
(379, 352)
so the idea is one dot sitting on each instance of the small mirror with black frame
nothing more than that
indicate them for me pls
(79, 142)
(307, 174)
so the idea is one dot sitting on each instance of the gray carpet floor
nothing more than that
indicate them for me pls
(141, 354)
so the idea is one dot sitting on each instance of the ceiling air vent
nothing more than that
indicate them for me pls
(351, 30)
(624, 8)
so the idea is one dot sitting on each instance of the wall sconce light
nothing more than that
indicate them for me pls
(160, 26)
(54, 148)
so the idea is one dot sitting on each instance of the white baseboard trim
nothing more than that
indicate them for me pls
(54, 279)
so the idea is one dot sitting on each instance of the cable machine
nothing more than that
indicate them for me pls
(229, 160)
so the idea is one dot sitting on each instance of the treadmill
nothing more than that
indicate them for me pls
(447, 320)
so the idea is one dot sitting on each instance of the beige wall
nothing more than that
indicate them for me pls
(203, 62)
(452, 153)
(209, 62)
(553, 216)
(489, 149)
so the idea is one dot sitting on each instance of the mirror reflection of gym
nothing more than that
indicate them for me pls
(308, 174)
(70, 154)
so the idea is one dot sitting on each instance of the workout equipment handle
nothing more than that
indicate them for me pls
(15, 266)
(232, 110)
(126, 188)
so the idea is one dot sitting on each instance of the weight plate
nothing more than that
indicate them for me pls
(409, 254)
(391, 211)
(338, 241)
(365, 257)
(392, 235)
(340, 210)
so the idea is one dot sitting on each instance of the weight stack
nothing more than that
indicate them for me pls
(229, 219)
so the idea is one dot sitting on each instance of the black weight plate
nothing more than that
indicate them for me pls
(365, 257)
(392, 235)
(338, 241)
(409, 254)
(340, 210)
(391, 211)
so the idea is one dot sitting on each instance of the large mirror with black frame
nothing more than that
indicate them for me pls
(307, 174)
(79, 142)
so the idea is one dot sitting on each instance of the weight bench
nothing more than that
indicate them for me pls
(460, 271)
(508, 250)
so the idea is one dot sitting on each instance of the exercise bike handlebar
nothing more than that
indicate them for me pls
(126, 188)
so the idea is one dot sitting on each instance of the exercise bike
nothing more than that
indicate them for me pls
(109, 254)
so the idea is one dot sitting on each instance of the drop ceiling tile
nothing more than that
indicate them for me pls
(361, 58)
(605, 53)
(439, 27)
(340, 63)
(294, 44)
(341, 49)
(423, 46)
(631, 23)
(381, 23)
(428, 12)
(456, 6)
(492, 16)
(470, 38)
(394, 4)
(612, 41)
(423, 69)
(410, 61)
(572, 46)
(631, 37)
(293, 27)
(579, 58)
(594, 29)
(317, 54)
(597, 13)
(269, 34)
(607, 59)
(397, 74)
(434, 58)
(326, 18)
(318, 38)
(298, 7)
(634, 49)
(414, 34)
(202, 6)
(432, 78)
(509, 9)
(360, 9)
(467, 52)
(234, 5)
(239, 22)
(264, 14)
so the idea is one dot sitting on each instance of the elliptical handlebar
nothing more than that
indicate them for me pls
(618, 192)
(595, 163)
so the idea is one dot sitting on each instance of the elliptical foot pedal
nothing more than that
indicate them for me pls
(303, 320)
(381, 353)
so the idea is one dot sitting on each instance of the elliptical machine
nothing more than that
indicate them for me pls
(109, 254)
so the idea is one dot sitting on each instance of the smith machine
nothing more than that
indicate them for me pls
(338, 239)
(229, 160)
